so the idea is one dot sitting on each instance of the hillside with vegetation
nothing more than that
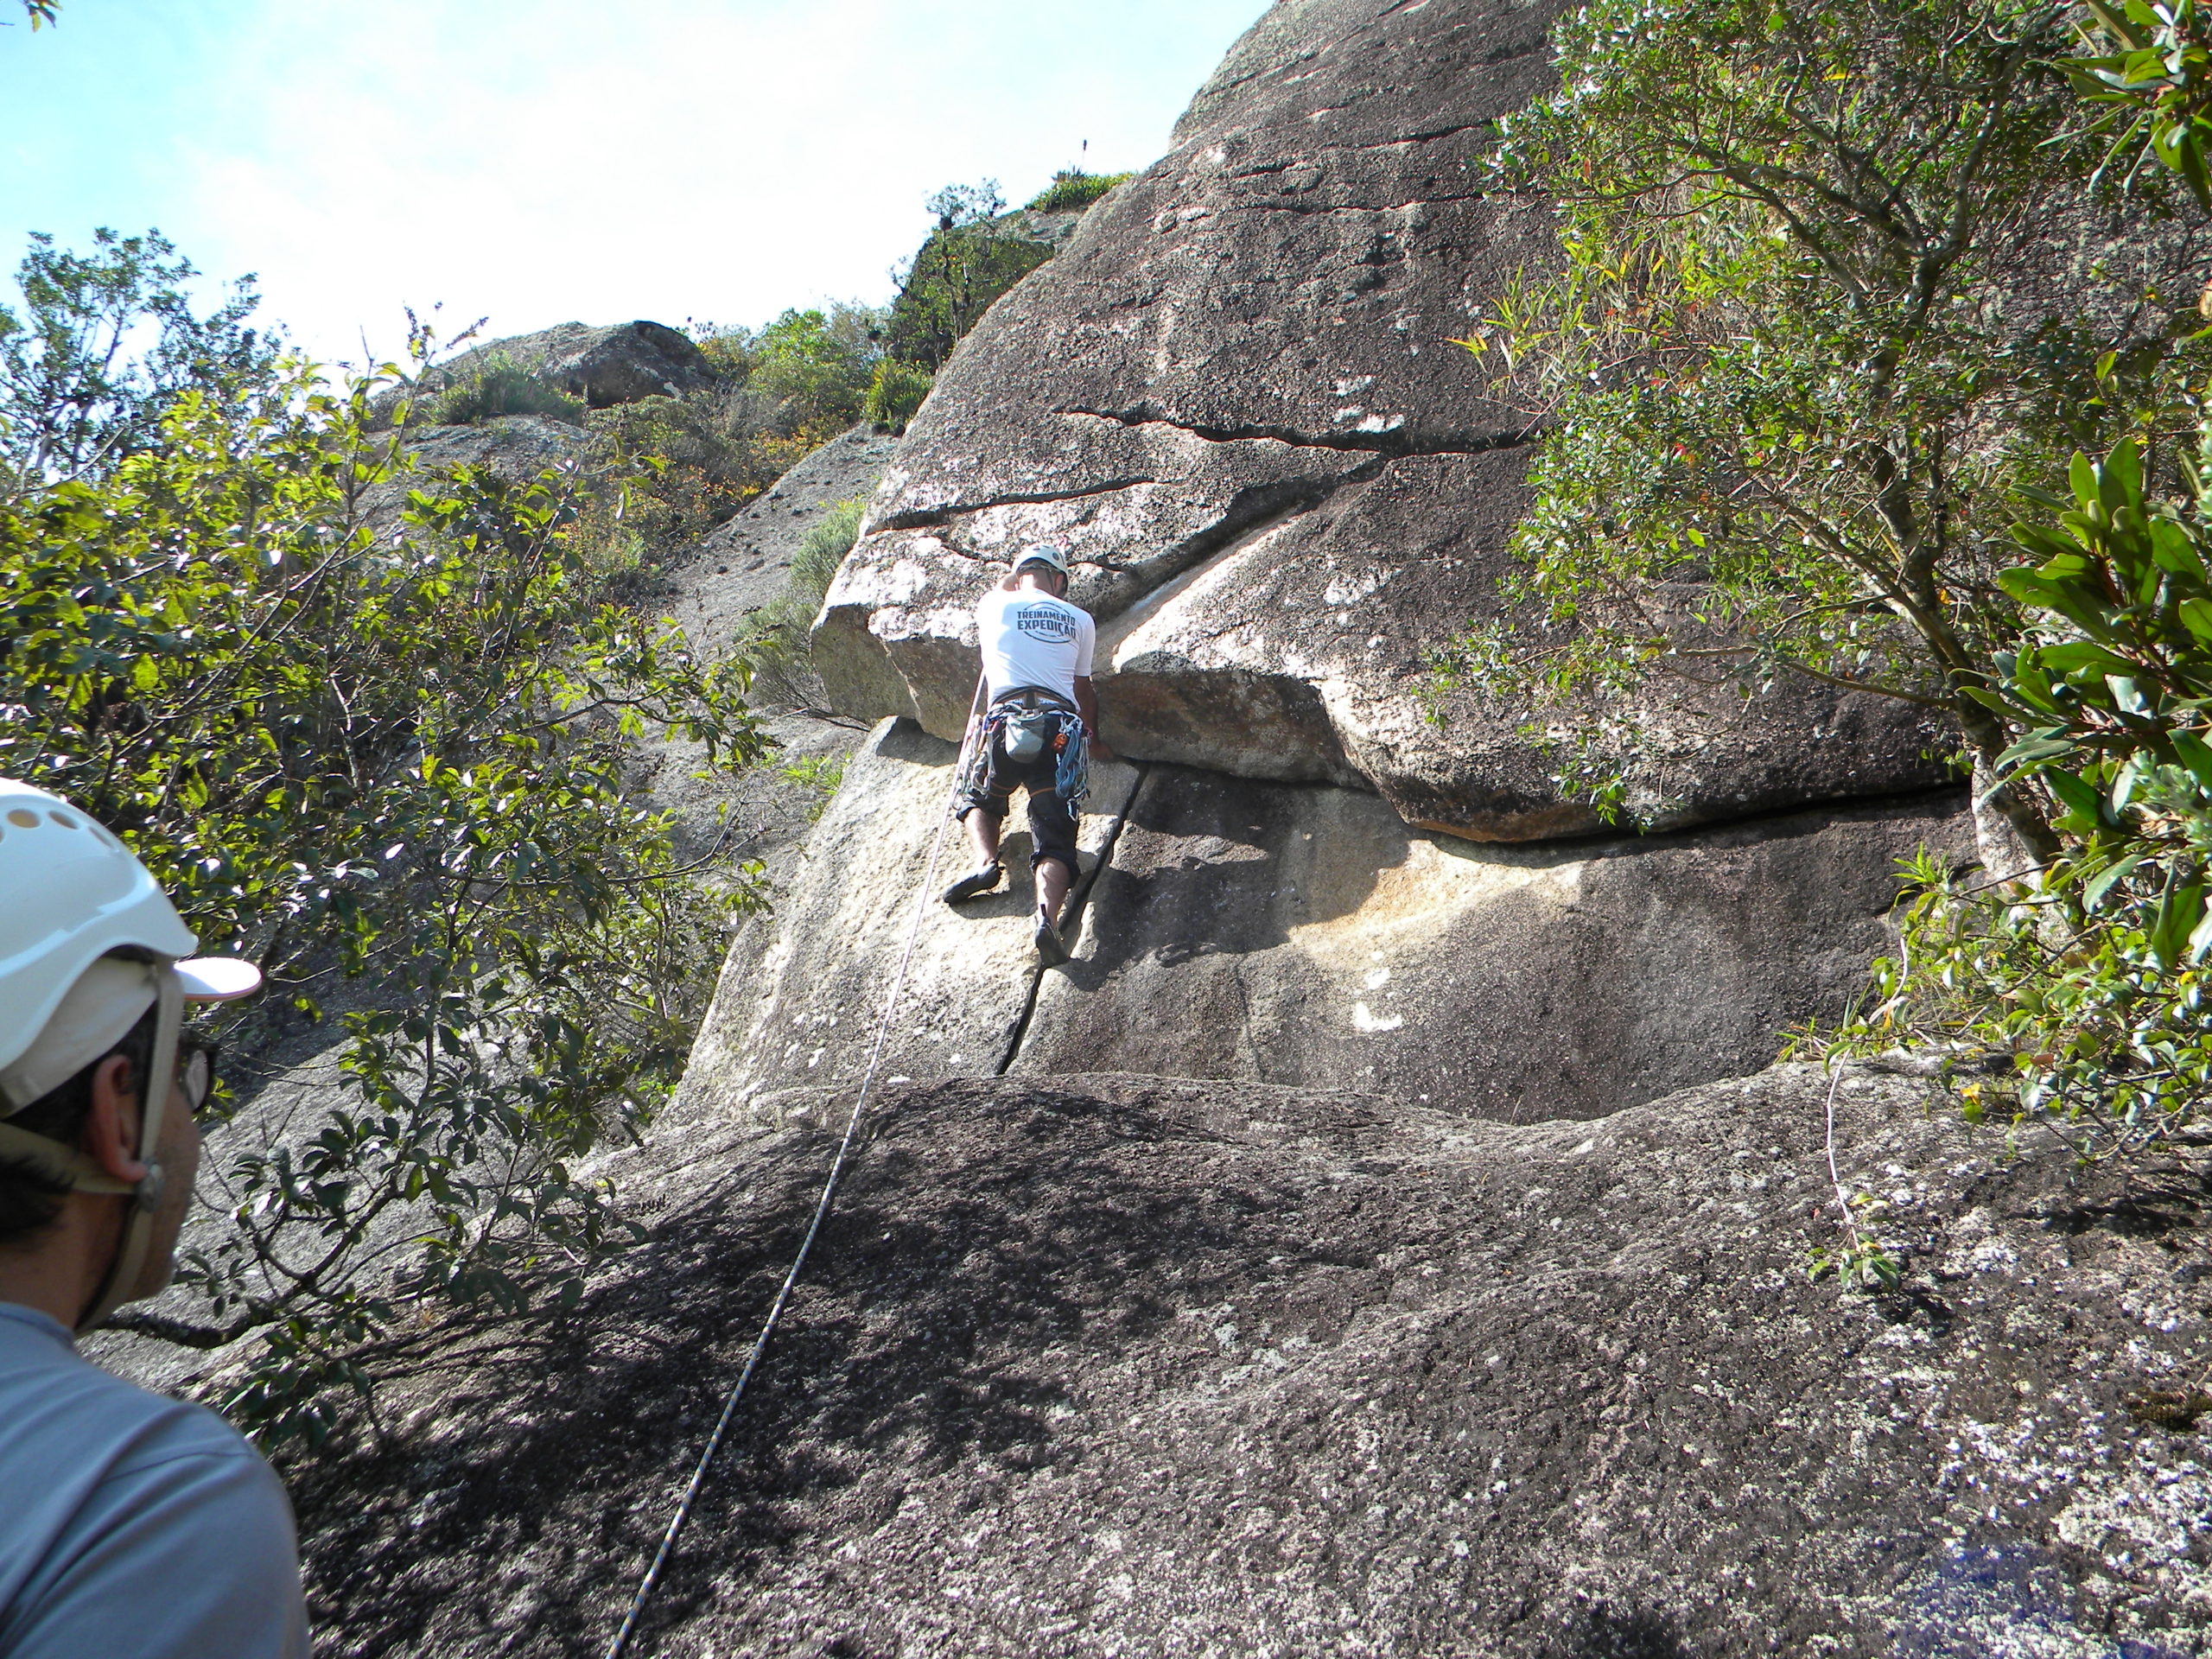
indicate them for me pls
(1631, 1078)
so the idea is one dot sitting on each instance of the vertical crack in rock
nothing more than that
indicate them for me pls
(1078, 898)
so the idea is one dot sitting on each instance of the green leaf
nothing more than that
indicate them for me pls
(2174, 549)
(2121, 479)
(2179, 914)
(2080, 795)
(2093, 894)
(2196, 755)
(2075, 655)
(2037, 749)
(2081, 474)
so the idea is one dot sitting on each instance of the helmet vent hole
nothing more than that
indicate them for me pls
(23, 820)
(63, 819)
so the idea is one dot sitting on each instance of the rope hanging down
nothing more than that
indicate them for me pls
(651, 1580)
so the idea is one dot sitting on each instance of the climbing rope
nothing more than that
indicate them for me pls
(661, 1557)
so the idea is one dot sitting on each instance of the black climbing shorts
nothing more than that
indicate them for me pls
(1052, 820)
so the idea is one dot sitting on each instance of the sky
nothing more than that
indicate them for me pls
(535, 161)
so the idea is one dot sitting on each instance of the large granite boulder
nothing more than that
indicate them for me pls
(1234, 396)
(621, 363)
(1305, 935)
(1124, 1365)
(618, 364)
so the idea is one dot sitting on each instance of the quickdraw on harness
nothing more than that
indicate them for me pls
(1025, 724)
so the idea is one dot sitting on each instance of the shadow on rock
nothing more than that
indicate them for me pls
(1601, 1631)
(535, 1462)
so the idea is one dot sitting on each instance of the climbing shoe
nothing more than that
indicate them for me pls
(974, 885)
(1051, 949)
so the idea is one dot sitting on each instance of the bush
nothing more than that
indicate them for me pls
(500, 386)
(394, 766)
(1074, 189)
(813, 367)
(672, 468)
(895, 395)
(2078, 994)
(818, 364)
(823, 549)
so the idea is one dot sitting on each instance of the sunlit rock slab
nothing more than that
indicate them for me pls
(1304, 935)
(806, 986)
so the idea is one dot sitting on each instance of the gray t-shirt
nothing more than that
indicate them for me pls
(132, 1526)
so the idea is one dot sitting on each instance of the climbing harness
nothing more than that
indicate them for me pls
(1025, 724)
(651, 1580)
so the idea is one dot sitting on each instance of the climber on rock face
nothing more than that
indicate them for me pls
(1037, 733)
(135, 1526)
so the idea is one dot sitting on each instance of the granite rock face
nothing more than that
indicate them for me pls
(1127, 1365)
(1233, 396)
(744, 563)
(1304, 935)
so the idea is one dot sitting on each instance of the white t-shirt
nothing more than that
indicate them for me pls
(1028, 638)
(134, 1527)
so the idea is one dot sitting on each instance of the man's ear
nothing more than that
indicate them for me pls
(111, 1127)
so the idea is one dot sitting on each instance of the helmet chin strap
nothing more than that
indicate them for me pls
(154, 1103)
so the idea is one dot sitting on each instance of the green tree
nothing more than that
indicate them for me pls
(1807, 338)
(819, 365)
(970, 258)
(386, 763)
(76, 387)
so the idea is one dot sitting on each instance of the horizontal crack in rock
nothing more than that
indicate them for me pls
(929, 518)
(1391, 444)
(1427, 135)
(1349, 207)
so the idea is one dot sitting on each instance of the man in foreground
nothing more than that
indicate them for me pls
(135, 1527)
(1038, 733)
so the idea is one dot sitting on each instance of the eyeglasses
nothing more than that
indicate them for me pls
(195, 1070)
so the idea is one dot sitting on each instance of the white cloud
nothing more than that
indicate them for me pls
(541, 160)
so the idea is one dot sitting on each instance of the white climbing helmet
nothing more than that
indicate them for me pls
(70, 894)
(1042, 553)
(88, 943)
